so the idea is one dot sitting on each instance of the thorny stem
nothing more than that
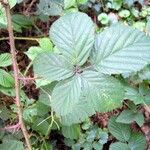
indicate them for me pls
(13, 128)
(16, 72)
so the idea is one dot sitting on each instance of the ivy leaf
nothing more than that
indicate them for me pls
(101, 91)
(71, 132)
(119, 146)
(6, 79)
(137, 142)
(52, 67)
(118, 50)
(5, 60)
(128, 116)
(65, 95)
(11, 145)
(120, 131)
(73, 34)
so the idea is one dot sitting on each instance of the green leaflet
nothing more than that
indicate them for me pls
(119, 146)
(3, 19)
(46, 44)
(6, 80)
(73, 34)
(71, 132)
(102, 91)
(52, 67)
(12, 145)
(137, 142)
(34, 51)
(22, 21)
(40, 126)
(12, 3)
(133, 95)
(129, 116)
(121, 49)
(120, 131)
(65, 95)
(68, 3)
(45, 93)
(5, 60)
(80, 112)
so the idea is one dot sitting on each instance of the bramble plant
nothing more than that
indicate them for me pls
(81, 77)
(85, 62)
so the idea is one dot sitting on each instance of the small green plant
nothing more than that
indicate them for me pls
(103, 18)
(87, 137)
(124, 13)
